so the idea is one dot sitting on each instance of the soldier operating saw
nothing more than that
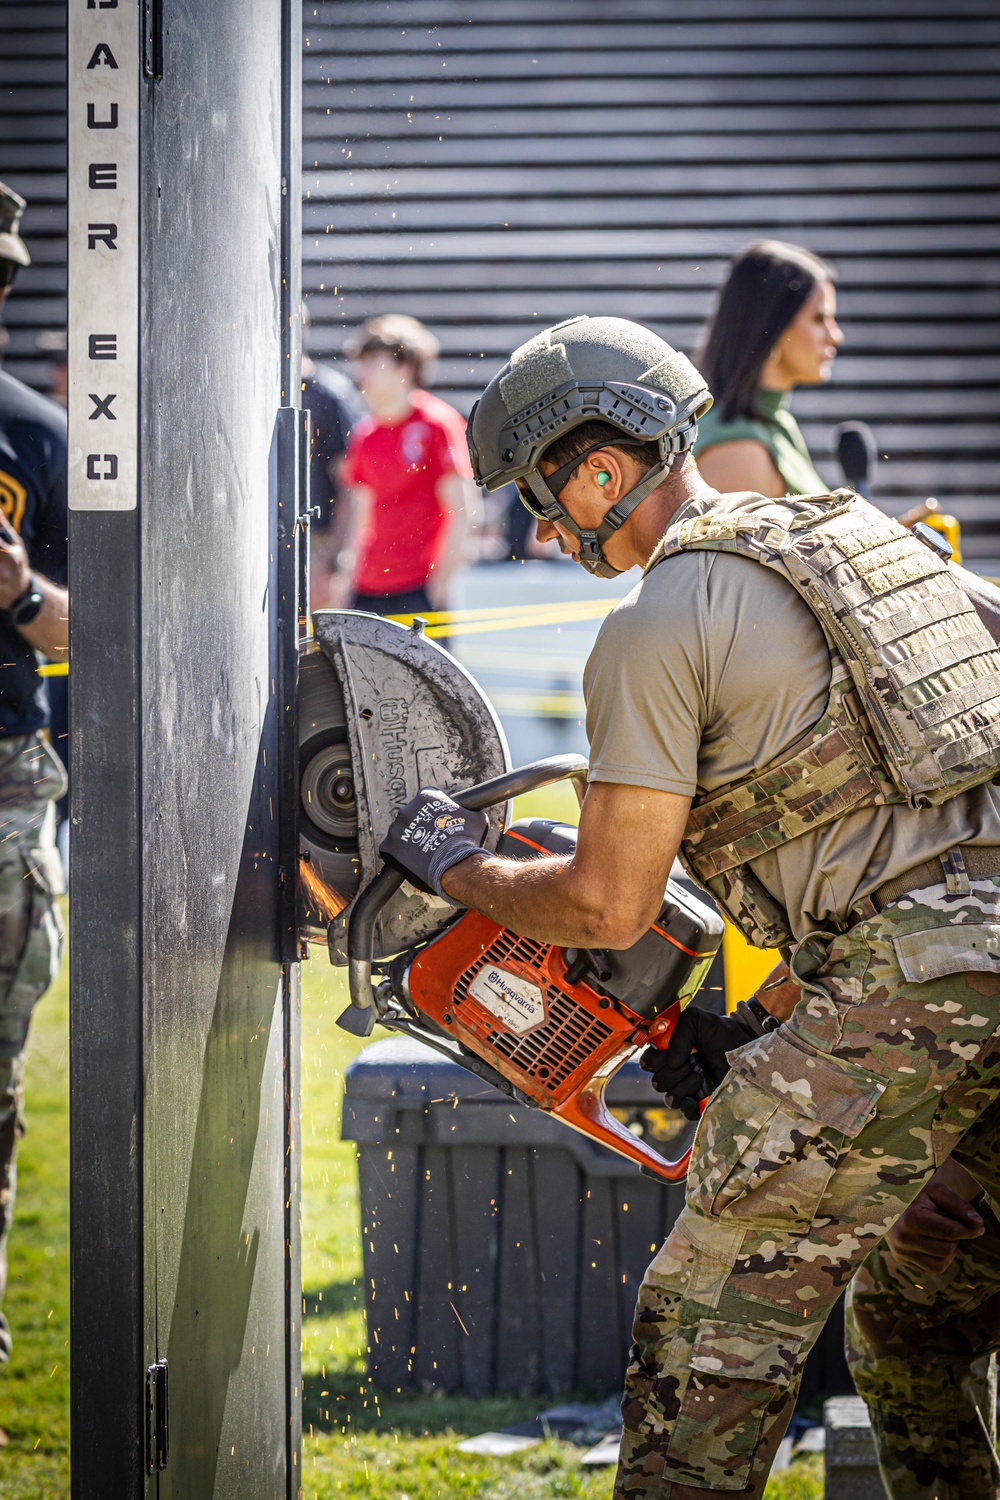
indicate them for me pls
(802, 702)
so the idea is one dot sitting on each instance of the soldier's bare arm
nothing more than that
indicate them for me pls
(779, 994)
(607, 894)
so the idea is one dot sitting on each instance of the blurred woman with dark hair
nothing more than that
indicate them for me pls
(774, 328)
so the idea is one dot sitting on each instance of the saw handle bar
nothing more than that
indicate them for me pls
(361, 925)
(587, 1111)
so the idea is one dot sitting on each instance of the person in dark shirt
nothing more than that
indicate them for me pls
(335, 406)
(32, 526)
(34, 623)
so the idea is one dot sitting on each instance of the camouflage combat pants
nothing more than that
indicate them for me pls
(921, 1348)
(30, 939)
(808, 1152)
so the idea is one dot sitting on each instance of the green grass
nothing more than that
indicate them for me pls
(357, 1442)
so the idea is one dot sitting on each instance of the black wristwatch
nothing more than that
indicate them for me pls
(26, 607)
(756, 1017)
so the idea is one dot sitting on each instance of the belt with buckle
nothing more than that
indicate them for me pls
(953, 869)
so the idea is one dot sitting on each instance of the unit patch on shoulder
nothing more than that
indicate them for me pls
(12, 498)
(516, 1002)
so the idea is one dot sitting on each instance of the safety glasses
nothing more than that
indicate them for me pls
(527, 499)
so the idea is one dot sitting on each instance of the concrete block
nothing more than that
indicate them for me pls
(850, 1467)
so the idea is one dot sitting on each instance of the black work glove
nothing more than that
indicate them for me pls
(429, 835)
(694, 1063)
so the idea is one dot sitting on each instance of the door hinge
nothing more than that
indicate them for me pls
(157, 1427)
(152, 39)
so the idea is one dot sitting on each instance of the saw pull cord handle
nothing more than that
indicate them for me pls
(361, 925)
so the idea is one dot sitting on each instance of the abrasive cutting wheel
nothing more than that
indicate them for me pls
(329, 867)
(382, 711)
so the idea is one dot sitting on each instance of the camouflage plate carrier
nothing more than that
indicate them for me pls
(913, 714)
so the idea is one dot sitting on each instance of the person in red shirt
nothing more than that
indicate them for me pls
(407, 476)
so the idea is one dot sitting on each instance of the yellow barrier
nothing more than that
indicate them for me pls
(745, 967)
(54, 669)
(949, 528)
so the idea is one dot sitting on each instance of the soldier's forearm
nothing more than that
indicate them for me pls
(779, 994)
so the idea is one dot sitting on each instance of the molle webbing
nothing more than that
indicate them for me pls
(926, 670)
(913, 713)
(939, 681)
(835, 769)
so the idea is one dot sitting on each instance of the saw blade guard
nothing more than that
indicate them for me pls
(383, 711)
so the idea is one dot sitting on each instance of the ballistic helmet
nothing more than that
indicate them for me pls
(584, 370)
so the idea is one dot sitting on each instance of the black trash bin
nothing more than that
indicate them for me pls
(502, 1250)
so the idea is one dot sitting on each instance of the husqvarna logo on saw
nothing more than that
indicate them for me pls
(516, 1002)
(393, 714)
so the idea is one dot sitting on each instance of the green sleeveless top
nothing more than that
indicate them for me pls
(780, 436)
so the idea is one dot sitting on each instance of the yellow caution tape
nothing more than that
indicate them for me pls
(560, 703)
(501, 611)
(443, 622)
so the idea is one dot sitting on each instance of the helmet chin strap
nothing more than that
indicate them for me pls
(591, 554)
(592, 543)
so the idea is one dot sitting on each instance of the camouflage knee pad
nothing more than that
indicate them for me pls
(920, 1347)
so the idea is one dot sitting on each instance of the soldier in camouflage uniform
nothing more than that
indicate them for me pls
(800, 700)
(33, 623)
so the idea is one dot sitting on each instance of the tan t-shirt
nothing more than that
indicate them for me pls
(709, 670)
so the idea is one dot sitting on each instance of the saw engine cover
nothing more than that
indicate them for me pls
(383, 711)
(556, 1023)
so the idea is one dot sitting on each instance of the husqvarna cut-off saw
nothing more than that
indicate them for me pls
(384, 711)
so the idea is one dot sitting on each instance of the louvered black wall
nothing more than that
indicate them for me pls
(492, 168)
(495, 167)
(33, 162)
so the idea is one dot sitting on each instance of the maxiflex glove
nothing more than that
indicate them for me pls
(694, 1063)
(429, 835)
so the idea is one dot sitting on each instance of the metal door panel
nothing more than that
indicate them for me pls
(220, 1270)
(184, 1015)
(214, 1121)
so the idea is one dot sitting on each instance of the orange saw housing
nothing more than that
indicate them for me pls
(557, 1023)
